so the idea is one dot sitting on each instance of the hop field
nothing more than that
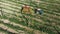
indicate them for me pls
(13, 22)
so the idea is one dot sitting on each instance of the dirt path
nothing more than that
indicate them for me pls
(8, 29)
(2, 33)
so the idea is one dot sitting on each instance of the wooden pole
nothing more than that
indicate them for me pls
(1, 11)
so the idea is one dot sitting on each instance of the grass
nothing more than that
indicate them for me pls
(35, 24)
(16, 28)
(46, 27)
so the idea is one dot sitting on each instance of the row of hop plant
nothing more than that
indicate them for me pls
(32, 26)
(48, 11)
(14, 19)
(35, 26)
(16, 27)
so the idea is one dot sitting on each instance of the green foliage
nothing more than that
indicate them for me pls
(49, 7)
